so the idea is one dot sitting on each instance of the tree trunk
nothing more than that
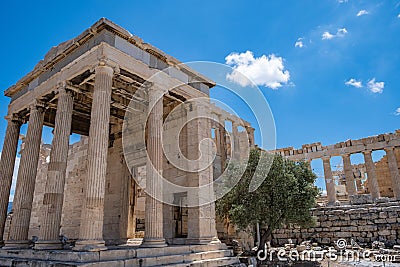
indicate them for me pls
(266, 234)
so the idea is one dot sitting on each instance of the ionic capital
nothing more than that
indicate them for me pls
(62, 89)
(37, 105)
(16, 118)
(105, 62)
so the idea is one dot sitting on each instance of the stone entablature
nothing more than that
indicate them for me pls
(317, 150)
(105, 31)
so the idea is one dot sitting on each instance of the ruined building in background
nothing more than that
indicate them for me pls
(380, 179)
(362, 202)
(85, 191)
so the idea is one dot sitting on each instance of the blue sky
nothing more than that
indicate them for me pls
(336, 63)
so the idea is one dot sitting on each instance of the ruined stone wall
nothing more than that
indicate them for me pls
(117, 191)
(174, 134)
(37, 204)
(74, 188)
(363, 223)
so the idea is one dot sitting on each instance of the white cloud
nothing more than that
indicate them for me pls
(354, 82)
(299, 43)
(375, 87)
(362, 12)
(398, 16)
(327, 36)
(341, 32)
(343, 1)
(265, 70)
(397, 112)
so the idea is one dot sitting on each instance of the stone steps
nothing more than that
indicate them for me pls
(218, 262)
(167, 260)
(173, 256)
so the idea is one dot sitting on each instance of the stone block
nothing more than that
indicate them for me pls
(360, 199)
(384, 233)
(343, 234)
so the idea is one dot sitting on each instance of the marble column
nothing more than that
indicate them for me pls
(371, 173)
(218, 152)
(250, 133)
(217, 139)
(329, 182)
(235, 142)
(7, 163)
(91, 228)
(201, 214)
(54, 191)
(348, 172)
(222, 135)
(394, 171)
(23, 197)
(153, 234)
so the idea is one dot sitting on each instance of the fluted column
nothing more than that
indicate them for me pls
(91, 228)
(348, 172)
(222, 134)
(7, 163)
(371, 173)
(235, 137)
(26, 180)
(54, 191)
(329, 182)
(153, 234)
(217, 140)
(394, 171)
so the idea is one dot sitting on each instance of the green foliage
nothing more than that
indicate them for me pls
(284, 197)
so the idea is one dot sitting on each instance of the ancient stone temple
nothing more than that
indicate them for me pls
(86, 191)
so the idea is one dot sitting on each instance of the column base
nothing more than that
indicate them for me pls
(153, 243)
(90, 245)
(215, 240)
(48, 245)
(17, 244)
(203, 241)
